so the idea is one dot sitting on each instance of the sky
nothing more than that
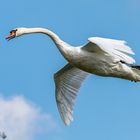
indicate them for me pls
(106, 108)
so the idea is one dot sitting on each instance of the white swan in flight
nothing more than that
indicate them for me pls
(100, 56)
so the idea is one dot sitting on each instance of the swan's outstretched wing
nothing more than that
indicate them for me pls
(68, 81)
(116, 48)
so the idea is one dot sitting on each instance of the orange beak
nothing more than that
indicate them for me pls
(12, 35)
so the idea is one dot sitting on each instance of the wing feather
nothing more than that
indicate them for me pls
(68, 81)
(116, 48)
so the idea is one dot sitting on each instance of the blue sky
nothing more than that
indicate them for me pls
(107, 108)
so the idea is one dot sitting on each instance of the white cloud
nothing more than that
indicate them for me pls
(21, 120)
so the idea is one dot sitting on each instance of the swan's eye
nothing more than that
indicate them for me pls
(11, 35)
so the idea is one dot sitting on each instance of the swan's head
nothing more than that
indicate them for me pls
(15, 33)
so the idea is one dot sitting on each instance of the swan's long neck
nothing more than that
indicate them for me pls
(61, 45)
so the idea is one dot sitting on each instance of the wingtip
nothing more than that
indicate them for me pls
(68, 122)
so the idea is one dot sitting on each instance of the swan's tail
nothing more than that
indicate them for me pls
(136, 71)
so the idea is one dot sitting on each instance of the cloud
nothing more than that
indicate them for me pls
(20, 119)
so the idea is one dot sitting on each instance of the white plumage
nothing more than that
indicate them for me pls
(116, 48)
(100, 56)
(68, 81)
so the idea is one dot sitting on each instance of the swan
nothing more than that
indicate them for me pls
(99, 56)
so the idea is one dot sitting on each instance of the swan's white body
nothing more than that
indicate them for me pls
(100, 56)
